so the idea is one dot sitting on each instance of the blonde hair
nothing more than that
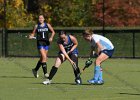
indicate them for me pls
(88, 31)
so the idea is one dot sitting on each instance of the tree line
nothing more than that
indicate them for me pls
(71, 13)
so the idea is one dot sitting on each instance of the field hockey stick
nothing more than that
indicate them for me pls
(25, 36)
(75, 68)
(33, 37)
(89, 62)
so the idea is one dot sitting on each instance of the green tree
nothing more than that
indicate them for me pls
(71, 12)
(16, 15)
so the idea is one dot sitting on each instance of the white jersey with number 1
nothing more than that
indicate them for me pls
(106, 43)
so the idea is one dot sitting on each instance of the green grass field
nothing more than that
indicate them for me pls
(121, 77)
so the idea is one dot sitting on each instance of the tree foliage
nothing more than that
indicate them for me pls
(16, 15)
(90, 12)
(120, 12)
(72, 12)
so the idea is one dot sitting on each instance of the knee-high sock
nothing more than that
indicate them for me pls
(76, 70)
(52, 72)
(44, 67)
(101, 74)
(38, 66)
(96, 72)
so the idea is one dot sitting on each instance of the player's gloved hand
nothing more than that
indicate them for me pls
(95, 55)
(88, 62)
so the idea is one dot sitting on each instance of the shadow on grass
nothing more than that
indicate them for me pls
(62, 84)
(135, 71)
(15, 77)
(70, 83)
(130, 94)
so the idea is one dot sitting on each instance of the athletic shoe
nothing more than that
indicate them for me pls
(78, 81)
(35, 73)
(100, 82)
(46, 75)
(92, 81)
(47, 82)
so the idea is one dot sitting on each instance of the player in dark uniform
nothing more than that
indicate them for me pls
(43, 41)
(68, 50)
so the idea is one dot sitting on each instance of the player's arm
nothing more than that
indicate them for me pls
(75, 42)
(92, 51)
(98, 44)
(33, 32)
(61, 47)
(52, 31)
(99, 47)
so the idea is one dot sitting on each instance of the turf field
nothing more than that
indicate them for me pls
(122, 81)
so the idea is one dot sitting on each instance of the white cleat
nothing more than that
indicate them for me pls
(46, 75)
(35, 73)
(47, 82)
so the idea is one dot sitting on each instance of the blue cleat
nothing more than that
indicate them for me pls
(92, 81)
(100, 82)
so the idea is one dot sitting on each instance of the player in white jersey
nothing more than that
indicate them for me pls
(102, 48)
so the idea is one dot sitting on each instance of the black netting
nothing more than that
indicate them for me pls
(0, 42)
(137, 44)
(122, 43)
(19, 45)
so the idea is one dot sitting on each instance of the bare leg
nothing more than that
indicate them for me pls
(59, 60)
(97, 69)
(43, 60)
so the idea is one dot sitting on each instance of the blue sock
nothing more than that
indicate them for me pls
(96, 72)
(101, 74)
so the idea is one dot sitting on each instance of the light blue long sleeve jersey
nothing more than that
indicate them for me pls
(105, 42)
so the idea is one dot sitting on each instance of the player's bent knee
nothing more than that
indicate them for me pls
(58, 62)
(97, 62)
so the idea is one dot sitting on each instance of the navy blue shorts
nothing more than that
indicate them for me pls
(43, 47)
(108, 52)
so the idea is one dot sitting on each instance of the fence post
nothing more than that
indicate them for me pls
(2, 43)
(4, 36)
(133, 45)
(103, 11)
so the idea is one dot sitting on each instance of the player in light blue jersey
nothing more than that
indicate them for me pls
(103, 48)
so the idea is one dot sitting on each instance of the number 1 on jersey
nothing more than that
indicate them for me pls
(43, 35)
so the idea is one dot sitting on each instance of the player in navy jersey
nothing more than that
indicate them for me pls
(42, 29)
(68, 50)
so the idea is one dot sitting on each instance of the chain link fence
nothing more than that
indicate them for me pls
(126, 42)
(1, 42)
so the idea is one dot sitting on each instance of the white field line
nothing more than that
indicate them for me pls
(81, 88)
(115, 98)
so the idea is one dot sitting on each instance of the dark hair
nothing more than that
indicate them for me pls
(62, 32)
(41, 15)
